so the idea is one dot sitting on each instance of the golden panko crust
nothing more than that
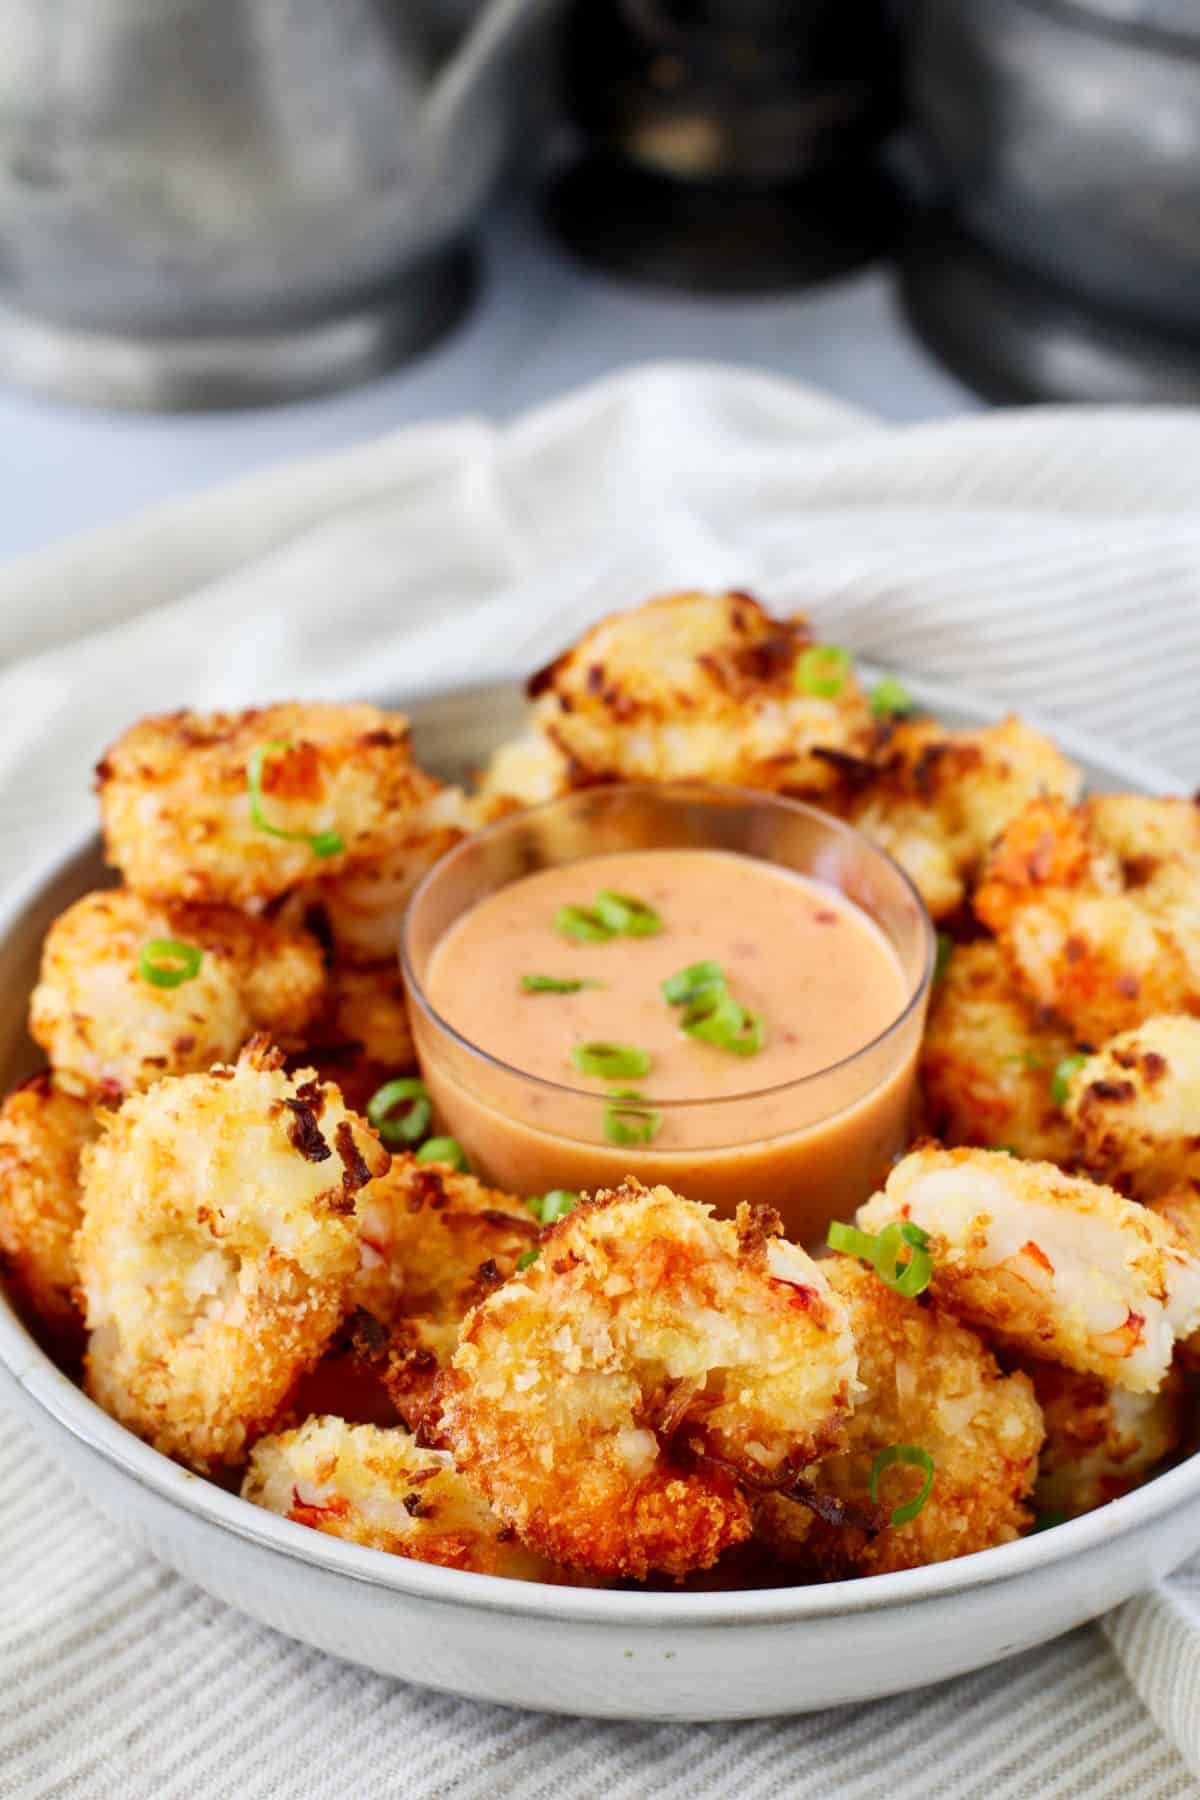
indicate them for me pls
(1101, 1442)
(43, 1132)
(1135, 1108)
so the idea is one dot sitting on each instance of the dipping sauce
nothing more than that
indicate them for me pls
(807, 1123)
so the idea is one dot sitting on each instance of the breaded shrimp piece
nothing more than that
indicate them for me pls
(613, 1399)
(1181, 1209)
(363, 1036)
(177, 807)
(988, 1061)
(529, 769)
(940, 798)
(699, 687)
(109, 1030)
(1050, 1264)
(365, 905)
(1135, 1108)
(1100, 1442)
(217, 1250)
(924, 1380)
(1080, 941)
(43, 1132)
(376, 1487)
(1143, 830)
(433, 1243)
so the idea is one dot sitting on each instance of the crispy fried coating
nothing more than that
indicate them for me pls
(109, 1031)
(692, 687)
(43, 1131)
(363, 1036)
(365, 905)
(1101, 1442)
(612, 1399)
(176, 804)
(376, 1487)
(217, 1250)
(529, 769)
(1084, 940)
(1181, 1209)
(939, 798)
(1144, 830)
(1135, 1108)
(928, 1381)
(433, 1243)
(1050, 1264)
(988, 1060)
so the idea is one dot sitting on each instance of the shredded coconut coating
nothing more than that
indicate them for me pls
(1135, 1108)
(988, 1061)
(613, 1400)
(925, 1380)
(1101, 1442)
(1050, 1264)
(375, 1487)
(176, 805)
(43, 1131)
(109, 1031)
(1181, 1211)
(217, 1251)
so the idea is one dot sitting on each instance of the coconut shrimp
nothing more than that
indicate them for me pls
(696, 687)
(988, 1061)
(1049, 1264)
(376, 1487)
(363, 1035)
(927, 1381)
(1134, 1107)
(1181, 1209)
(613, 1400)
(528, 770)
(1101, 1442)
(1082, 942)
(110, 1027)
(433, 1243)
(241, 807)
(217, 1250)
(43, 1131)
(938, 799)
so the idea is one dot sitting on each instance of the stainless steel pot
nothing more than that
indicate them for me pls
(213, 201)
(1067, 133)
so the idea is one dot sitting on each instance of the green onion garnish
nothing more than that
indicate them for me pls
(630, 1124)
(583, 923)
(1060, 1081)
(321, 843)
(626, 914)
(444, 1150)
(554, 984)
(822, 670)
(554, 1205)
(750, 1036)
(714, 1017)
(1047, 1522)
(1007, 1150)
(166, 963)
(908, 1279)
(611, 1062)
(530, 1256)
(913, 1456)
(411, 1122)
(690, 983)
(941, 961)
(890, 699)
(711, 1013)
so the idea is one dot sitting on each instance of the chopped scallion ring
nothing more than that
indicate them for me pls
(321, 843)
(914, 1457)
(626, 914)
(554, 984)
(822, 670)
(166, 963)
(611, 1062)
(714, 1017)
(941, 961)
(554, 1205)
(630, 1124)
(405, 1126)
(687, 986)
(1047, 1521)
(906, 1278)
(890, 699)
(1060, 1081)
(444, 1150)
(851, 1241)
(584, 924)
(530, 1256)
(750, 1036)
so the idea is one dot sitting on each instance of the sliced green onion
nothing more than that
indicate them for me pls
(908, 1279)
(584, 924)
(890, 698)
(1007, 1150)
(166, 963)
(444, 1150)
(611, 1062)
(822, 670)
(941, 961)
(630, 1124)
(554, 984)
(321, 843)
(529, 1257)
(714, 1017)
(627, 914)
(686, 986)
(407, 1126)
(751, 1035)
(557, 1204)
(1047, 1521)
(1060, 1081)
(913, 1456)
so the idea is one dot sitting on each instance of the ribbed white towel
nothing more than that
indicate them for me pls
(1051, 560)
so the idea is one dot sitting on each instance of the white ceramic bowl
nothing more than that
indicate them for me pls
(611, 1654)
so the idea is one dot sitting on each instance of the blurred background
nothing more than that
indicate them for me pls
(235, 231)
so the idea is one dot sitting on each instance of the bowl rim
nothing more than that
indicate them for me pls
(42, 1387)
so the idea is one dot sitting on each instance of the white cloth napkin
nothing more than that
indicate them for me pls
(1049, 559)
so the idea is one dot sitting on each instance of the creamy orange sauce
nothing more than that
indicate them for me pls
(823, 975)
